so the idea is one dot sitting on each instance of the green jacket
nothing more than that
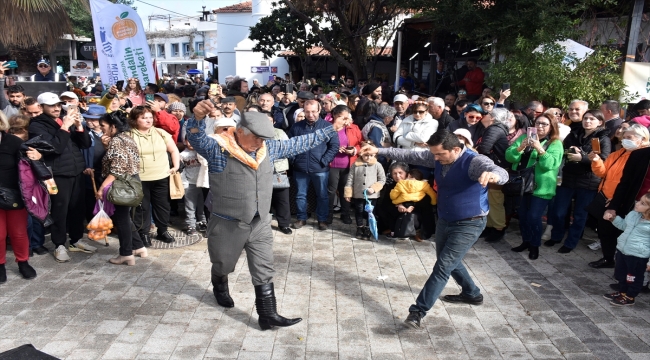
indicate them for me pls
(546, 169)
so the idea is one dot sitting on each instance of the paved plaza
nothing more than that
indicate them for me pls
(353, 296)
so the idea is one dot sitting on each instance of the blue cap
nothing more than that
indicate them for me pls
(94, 112)
(162, 96)
(43, 61)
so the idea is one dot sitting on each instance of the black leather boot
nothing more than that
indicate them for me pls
(524, 246)
(267, 308)
(146, 239)
(221, 291)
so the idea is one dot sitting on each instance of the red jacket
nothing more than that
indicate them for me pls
(354, 139)
(474, 83)
(169, 123)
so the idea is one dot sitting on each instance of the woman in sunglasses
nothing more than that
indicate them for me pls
(470, 119)
(487, 103)
(416, 129)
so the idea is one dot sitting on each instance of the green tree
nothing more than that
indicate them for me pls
(351, 22)
(282, 31)
(552, 77)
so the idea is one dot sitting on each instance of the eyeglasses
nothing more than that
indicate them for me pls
(43, 65)
(590, 118)
(420, 112)
(489, 103)
(462, 93)
(472, 117)
(539, 124)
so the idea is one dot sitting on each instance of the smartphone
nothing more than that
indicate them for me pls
(119, 85)
(595, 145)
(11, 64)
(148, 97)
(214, 89)
(532, 133)
(505, 86)
(289, 88)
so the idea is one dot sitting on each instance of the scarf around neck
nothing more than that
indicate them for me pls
(228, 143)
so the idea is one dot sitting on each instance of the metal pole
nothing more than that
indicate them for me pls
(633, 30)
(399, 59)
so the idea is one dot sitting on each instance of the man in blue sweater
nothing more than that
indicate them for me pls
(462, 176)
(313, 166)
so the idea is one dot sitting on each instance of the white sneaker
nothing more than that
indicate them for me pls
(81, 246)
(594, 245)
(61, 254)
(547, 232)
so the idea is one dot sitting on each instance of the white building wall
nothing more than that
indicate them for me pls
(228, 36)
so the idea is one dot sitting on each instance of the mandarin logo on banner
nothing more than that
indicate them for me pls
(122, 49)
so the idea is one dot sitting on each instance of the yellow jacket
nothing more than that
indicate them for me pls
(412, 190)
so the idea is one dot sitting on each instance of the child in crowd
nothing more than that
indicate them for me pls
(366, 174)
(410, 191)
(633, 252)
(195, 217)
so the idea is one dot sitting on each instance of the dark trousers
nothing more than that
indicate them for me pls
(360, 215)
(156, 202)
(282, 207)
(206, 211)
(126, 232)
(89, 204)
(608, 235)
(336, 182)
(530, 219)
(629, 273)
(67, 209)
(36, 233)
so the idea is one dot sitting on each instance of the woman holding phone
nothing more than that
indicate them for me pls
(544, 151)
(578, 179)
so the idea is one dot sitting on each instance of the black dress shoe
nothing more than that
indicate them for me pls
(41, 250)
(524, 246)
(550, 243)
(564, 250)
(533, 252)
(286, 230)
(602, 264)
(299, 224)
(460, 298)
(221, 291)
(165, 237)
(266, 306)
(26, 270)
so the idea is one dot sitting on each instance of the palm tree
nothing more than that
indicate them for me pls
(31, 27)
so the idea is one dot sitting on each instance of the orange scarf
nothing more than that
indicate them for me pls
(228, 143)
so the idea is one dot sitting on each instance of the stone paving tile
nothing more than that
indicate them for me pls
(163, 307)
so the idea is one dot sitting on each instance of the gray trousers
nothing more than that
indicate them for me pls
(227, 239)
(193, 205)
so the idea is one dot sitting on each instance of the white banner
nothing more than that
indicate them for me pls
(637, 79)
(122, 49)
(81, 68)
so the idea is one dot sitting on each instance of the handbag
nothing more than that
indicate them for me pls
(522, 182)
(405, 225)
(11, 199)
(598, 205)
(126, 190)
(176, 189)
(280, 180)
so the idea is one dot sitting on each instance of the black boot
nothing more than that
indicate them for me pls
(221, 291)
(359, 234)
(524, 246)
(3, 274)
(26, 270)
(146, 239)
(267, 309)
(533, 252)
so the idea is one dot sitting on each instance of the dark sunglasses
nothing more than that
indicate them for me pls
(488, 104)
(420, 112)
(43, 65)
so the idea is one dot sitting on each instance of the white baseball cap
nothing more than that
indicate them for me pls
(48, 98)
(70, 94)
(400, 98)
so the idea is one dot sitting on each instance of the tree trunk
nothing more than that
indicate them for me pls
(26, 59)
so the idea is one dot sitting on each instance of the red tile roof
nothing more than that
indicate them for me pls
(246, 6)
(320, 51)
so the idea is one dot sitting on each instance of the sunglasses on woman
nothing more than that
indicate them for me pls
(473, 117)
(420, 112)
(488, 103)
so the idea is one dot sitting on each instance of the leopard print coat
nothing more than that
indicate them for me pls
(122, 157)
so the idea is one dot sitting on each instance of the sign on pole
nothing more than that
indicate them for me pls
(81, 68)
(122, 49)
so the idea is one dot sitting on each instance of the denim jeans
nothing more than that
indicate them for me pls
(531, 210)
(320, 181)
(453, 240)
(562, 203)
(36, 233)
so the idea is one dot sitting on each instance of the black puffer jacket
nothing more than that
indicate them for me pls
(579, 174)
(445, 120)
(67, 159)
(494, 144)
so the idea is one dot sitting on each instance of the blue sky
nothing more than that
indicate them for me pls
(185, 7)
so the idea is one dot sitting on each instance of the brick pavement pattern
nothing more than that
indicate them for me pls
(353, 296)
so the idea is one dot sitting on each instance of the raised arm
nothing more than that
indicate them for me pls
(279, 149)
(424, 158)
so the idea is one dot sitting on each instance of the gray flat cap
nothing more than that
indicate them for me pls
(258, 123)
(307, 95)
